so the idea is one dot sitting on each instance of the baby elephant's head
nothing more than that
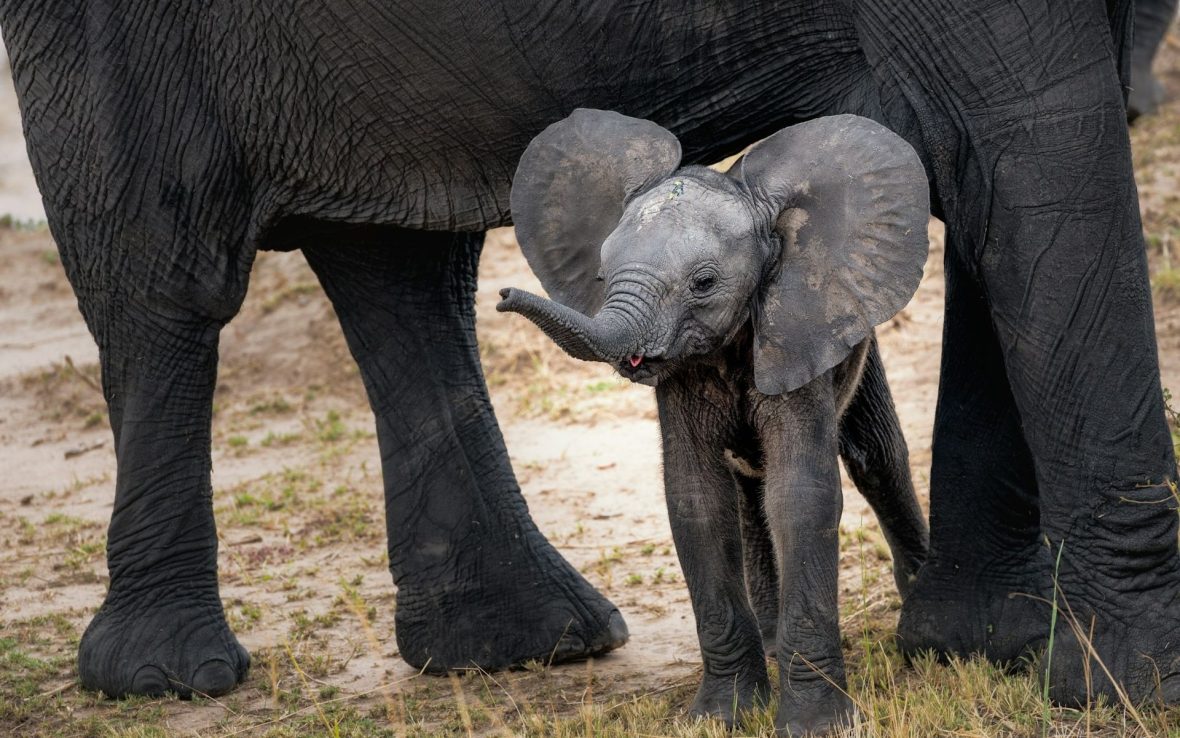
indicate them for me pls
(816, 235)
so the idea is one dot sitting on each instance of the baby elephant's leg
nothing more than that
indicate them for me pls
(878, 461)
(703, 513)
(803, 504)
(758, 560)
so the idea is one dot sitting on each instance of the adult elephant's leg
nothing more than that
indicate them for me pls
(1033, 130)
(161, 627)
(1072, 306)
(478, 584)
(1152, 19)
(878, 462)
(984, 582)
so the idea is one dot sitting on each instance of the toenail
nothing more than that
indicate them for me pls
(149, 680)
(569, 646)
(214, 678)
(618, 629)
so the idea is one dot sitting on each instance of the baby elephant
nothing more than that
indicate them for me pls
(749, 300)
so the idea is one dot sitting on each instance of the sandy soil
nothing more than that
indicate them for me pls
(297, 480)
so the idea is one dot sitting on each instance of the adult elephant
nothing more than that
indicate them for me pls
(171, 141)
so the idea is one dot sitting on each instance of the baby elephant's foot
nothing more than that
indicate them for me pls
(813, 699)
(814, 717)
(176, 644)
(729, 698)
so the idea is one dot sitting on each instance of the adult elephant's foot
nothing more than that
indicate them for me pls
(526, 605)
(1139, 648)
(178, 644)
(998, 611)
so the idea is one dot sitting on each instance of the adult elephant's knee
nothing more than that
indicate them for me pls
(478, 584)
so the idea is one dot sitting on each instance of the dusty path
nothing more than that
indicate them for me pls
(298, 500)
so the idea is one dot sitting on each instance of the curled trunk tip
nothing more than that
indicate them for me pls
(597, 339)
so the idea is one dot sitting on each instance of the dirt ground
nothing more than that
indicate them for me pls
(298, 490)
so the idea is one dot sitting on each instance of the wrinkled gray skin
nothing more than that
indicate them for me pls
(697, 293)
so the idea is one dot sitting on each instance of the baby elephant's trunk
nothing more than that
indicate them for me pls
(606, 337)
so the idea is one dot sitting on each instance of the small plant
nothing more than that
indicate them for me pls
(245, 617)
(1166, 281)
(331, 428)
(85, 552)
(10, 222)
(603, 386)
(276, 406)
(1047, 714)
(279, 439)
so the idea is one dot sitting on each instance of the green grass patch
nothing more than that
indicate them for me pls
(272, 439)
(274, 406)
(1166, 283)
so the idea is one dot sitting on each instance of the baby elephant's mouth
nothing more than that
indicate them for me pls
(640, 368)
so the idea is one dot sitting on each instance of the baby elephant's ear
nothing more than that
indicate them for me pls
(852, 204)
(569, 192)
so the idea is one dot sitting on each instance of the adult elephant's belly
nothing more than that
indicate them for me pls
(418, 121)
(389, 141)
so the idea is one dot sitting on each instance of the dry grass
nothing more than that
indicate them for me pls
(294, 688)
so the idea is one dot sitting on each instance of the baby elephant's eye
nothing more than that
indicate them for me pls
(703, 283)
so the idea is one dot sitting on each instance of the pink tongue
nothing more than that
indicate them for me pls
(635, 360)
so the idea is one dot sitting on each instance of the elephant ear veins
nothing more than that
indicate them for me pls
(852, 201)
